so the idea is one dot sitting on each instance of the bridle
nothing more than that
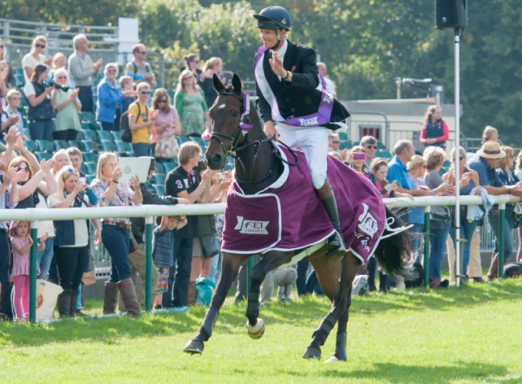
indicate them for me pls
(243, 128)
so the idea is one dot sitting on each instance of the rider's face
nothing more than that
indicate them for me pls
(269, 37)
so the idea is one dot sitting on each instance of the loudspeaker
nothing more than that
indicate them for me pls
(451, 14)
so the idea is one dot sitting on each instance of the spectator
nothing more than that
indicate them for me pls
(10, 81)
(358, 164)
(213, 66)
(140, 121)
(182, 182)
(109, 97)
(59, 62)
(137, 258)
(330, 86)
(490, 134)
(138, 69)
(162, 246)
(10, 116)
(206, 245)
(61, 159)
(192, 61)
(379, 168)
(75, 161)
(83, 71)
(40, 113)
(440, 218)
(129, 94)
(369, 143)
(21, 243)
(333, 142)
(115, 232)
(469, 180)
(71, 245)
(167, 125)
(65, 102)
(191, 106)
(8, 199)
(435, 131)
(518, 173)
(484, 163)
(35, 57)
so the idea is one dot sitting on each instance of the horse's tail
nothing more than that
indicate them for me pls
(394, 252)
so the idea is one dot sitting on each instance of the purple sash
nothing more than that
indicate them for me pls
(322, 116)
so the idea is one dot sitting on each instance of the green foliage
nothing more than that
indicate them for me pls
(366, 43)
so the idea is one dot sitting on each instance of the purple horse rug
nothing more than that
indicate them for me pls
(288, 216)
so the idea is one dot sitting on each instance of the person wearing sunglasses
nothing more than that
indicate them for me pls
(110, 96)
(435, 131)
(138, 68)
(35, 57)
(65, 101)
(193, 61)
(191, 105)
(167, 126)
(141, 120)
(83, 71)
(59, 61)
(369, 143)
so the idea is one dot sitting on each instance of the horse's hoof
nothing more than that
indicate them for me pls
(194, 346)
(257, 331)
(334, 359)
(312, 353)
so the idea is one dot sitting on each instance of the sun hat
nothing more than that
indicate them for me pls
(491, 150)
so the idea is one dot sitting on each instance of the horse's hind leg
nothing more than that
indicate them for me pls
(271, 261)
(339, 307)
(229, 268)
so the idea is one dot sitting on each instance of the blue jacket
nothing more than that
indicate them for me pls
(109, 96)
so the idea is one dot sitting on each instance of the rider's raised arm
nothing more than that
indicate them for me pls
(307, 74)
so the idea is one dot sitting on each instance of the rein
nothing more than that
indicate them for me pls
(243, 129)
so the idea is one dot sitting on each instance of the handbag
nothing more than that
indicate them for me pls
(167, 147)
(210, 245)
(89, 277)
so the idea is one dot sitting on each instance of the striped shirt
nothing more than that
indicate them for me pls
(123, 197)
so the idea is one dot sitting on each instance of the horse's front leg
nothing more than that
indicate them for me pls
(271, 261)
(229, 268)
(339, 306)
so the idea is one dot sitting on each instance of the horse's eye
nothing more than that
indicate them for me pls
(235, 114)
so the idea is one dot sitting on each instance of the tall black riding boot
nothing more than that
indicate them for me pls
(6, 310)
(335, 242)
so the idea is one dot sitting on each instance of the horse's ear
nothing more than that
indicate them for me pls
(218, 85)
(236, 83)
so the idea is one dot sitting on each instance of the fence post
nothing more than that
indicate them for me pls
(148, 263)
(501, 236)
(427, 211)
(32, 272)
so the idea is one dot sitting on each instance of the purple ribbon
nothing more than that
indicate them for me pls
(246, 111)
(324, 113)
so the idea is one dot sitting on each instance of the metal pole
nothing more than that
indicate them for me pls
(148, 263)
(32, 272)
(501, 236)
(458, 32)
(427, 215)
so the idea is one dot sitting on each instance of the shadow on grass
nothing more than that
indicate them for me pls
(402, 373)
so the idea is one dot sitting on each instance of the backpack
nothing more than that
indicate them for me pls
(125, 132)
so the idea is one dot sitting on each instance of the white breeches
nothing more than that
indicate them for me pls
(314, 143)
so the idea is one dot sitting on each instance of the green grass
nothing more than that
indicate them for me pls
(466, 335)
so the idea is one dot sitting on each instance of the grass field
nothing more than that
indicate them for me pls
(465, 335)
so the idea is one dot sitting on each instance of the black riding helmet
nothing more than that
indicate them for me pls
(274, 18)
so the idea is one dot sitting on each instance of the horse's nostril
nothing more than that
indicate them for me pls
(216, 159)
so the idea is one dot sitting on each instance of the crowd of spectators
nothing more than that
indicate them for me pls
(186, 250)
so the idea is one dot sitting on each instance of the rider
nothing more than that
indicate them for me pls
(291, 94)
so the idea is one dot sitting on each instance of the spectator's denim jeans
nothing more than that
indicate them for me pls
(416, 241)
(466, 230)
(117, 241)
(438, 239)
(86, 98)
(141, 149)
(508, 227)
(215, 268)
(183, 259)
(45, 257)
(41, 129)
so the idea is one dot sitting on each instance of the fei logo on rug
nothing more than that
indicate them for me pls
(251, 227)
(367, 222)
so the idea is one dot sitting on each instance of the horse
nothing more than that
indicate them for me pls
(236, 129)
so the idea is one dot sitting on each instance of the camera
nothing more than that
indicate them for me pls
(54, 84)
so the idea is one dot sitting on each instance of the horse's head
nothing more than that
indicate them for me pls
(228, 115)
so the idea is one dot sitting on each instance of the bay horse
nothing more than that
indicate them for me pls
(257, 166)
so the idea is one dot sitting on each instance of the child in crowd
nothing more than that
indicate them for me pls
(162, 246)
(127, 85)
(21, 242)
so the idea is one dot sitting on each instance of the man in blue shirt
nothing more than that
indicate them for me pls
(484, 163)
